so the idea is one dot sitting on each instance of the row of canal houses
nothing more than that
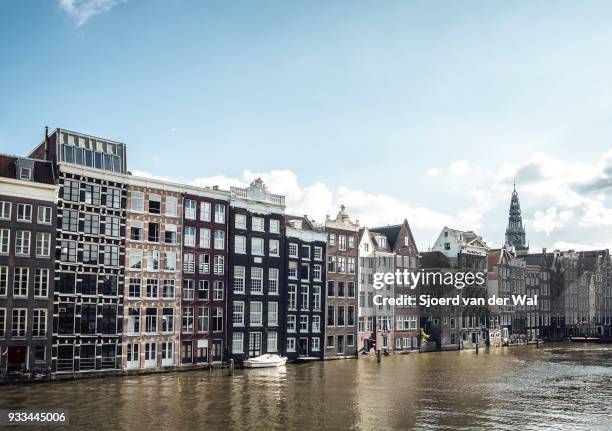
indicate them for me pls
(102, 271)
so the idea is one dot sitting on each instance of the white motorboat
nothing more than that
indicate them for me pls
(267, 360)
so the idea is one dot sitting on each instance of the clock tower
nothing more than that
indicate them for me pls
(515, 232)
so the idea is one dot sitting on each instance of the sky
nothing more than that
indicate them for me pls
(425, 111)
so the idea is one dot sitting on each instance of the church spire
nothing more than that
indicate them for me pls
(515, 232)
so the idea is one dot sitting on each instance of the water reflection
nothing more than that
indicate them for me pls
(561, 386)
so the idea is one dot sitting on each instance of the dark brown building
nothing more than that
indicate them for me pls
(341, 309)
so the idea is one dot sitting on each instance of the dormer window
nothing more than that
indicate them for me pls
(382, 241)
(25, 174)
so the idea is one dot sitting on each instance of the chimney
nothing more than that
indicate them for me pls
(46, 143)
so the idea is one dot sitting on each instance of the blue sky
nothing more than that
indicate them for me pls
(416, 110)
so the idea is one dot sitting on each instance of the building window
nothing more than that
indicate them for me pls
(204, 264)
(306, 252)
(111, 255)
(219, 265)
(219, 240)
(292, 271)
(203, 288)
(19, 322)
(2, 322)
(217, 319)
(134, 288)
(274, 226)
(257, 246)
(152, 288)
(350, 340)
(272, 313)
(167, 320)
(332, 239)
(341, 292)
(272, 342)
(331, 263)
(318, 253)
(316, 324)
(20, 281)
(237, 342)
(168, 289)
(169, 261)
(331, 315)
(331, 288)
(44, 215)
(71, 190)
(238, 313)
(291, 323)
(5, 240)
(202, 319)
(189, 263)
(43, 244)
(351, 265)
(239, 279)
(316, 272)
(5, 210)
(316, 297)
(188, 290)
(351, 289)
(22, 242)
(274, 247)
(292, 297)
(218, 290)
(351, 315)
(291, 344)
(92, 195)
(351, 242)
(91, 225)
(304, 297)
(154, 204)
(171, 203)
(153, 232)
(90, 254)
(153, 260)
(190, 209)
(205, 212)
(113, 198)
(305, 272)
(257, 224)
(240, 221)
(188, 319)
(135, 259)
(341, 242)
(219, 213)
(70, 221)
(137, 201)
(239, 244)
(68, 251)
(256, 314)
(273, 281)
(170, 234)
(3, 280)
(293, 250)
(256, 280)
(316, 344)
(189, 237)
(204, 238)
(39, 323)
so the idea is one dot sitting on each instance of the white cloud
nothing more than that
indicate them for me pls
(82, 10)
(433, 172)
(460, 167)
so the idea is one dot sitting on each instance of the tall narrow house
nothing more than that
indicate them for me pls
(406, 318)
(256, 263)
(304, 300)
(205, 245)
(341, 312)
(90, 251)
(27, 262)
(153, 274)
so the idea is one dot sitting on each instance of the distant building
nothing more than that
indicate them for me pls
(515, 232)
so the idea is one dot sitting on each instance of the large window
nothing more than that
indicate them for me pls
(219, 240)
(205, 211)
(90, 254)
(111, 227)
(239, 244)
(68, 251)
(171, 204)
(2, 322)
(190, 209)
(134, 288)
(219, 213)
(71, 190)
(111, 255)
(19, 323)
(218, 290)
(3, 280)
(272, 313)
(113, 198)
(237, 342)
(5, 240)
(273, 281)
(137, 201)
(292, 297)
(304, 297)
(272, 342)
(239, 279)
(203, 319)
(5, 210)
(154, 203)
(22, 242)
(219, 265)
(188, 319)
(92, 194)
(256, 313)
(168, 289)
(135, 259)
(20, 281)
(257, 246)
(217, 319)
(39, 322)
(70, 221)
(257, 224)
(256, 280)
(316, 297)
(44, 215)
(43, 244)
(274, 226)
(190, 236)
(91, 225)
(238, 313)
(240, 221)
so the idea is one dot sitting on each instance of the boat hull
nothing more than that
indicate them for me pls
(265, 362)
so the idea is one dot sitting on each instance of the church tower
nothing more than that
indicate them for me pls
(515, 232)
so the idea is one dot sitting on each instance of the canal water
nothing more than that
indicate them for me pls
(561, 386)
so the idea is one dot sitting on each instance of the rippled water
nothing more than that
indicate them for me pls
(557, 386)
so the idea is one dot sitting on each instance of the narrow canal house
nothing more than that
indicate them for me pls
(256, 265)
(375, 316)
(151, 318)
(304, 300)
(27, 262)
(204, 298)
(537, 282)
(406, 318)
(467, 253)
(341, 309)
(90, 251)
